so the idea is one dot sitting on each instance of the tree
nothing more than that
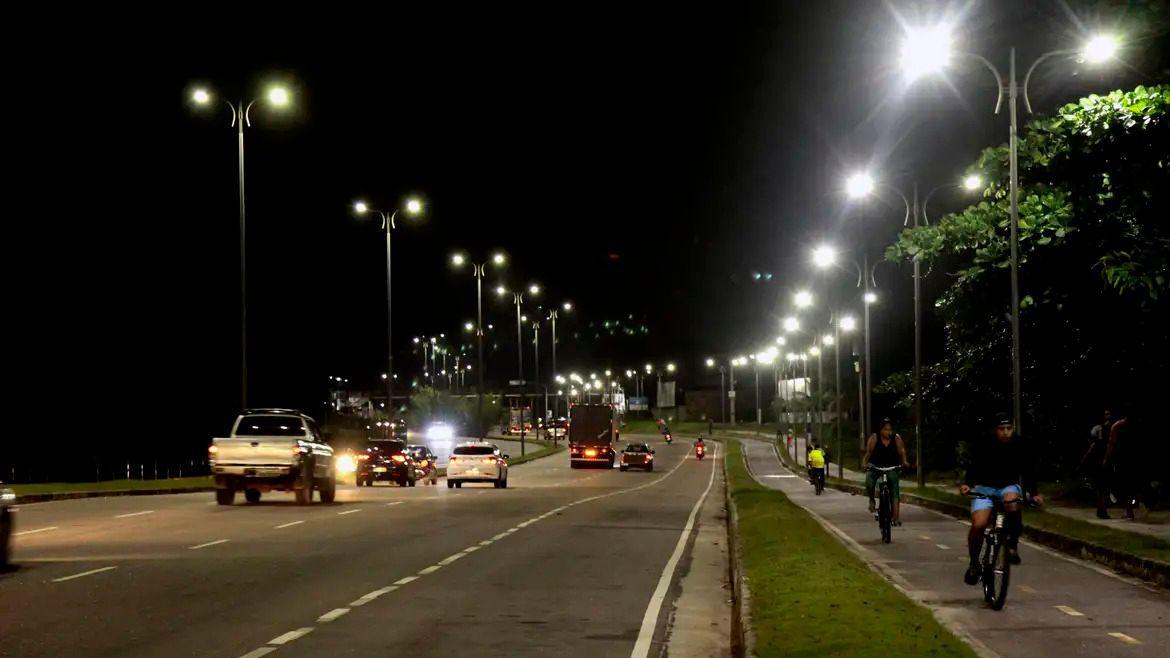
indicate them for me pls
(1094, 262)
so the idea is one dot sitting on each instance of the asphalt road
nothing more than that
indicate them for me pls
(563, 560)
(1057, 606)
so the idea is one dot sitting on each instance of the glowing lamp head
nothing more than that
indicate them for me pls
(859, 185)
(925, 51)
(360, 207)
(413, 206)
(534, 289)
(870, 297)
(972, 182)
(848, 323)
(824, 256)
(781, 340)
(499, 259)
(501, 291)
(201, 96)
(710, 363)
(828, 339)
(803, 299)
(1100, 49)
(567, 306)
(670, 367)
(278, 96)
(791, 324)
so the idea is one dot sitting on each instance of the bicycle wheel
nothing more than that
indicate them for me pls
(885, 515)
(996, 575)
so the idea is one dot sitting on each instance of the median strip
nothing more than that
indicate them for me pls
(781, 544)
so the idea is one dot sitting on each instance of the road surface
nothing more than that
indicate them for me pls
(562, 561)
(1057, 606)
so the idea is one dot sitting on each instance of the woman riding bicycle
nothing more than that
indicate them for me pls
(999, 465)
(883, 450)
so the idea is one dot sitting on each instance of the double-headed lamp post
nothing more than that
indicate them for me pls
(518, 299)
(276, 96)
(458, 260)
(553, 314)
(711, 363)
(928, 50)
(413, 208)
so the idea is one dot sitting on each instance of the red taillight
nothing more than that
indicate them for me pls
(398, 458)
(363, 457)
(452, 458)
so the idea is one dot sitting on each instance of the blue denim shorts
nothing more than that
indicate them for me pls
(978, 504)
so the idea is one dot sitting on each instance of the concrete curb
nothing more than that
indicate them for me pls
(743, 641)
(73, 495)
(1148, 569)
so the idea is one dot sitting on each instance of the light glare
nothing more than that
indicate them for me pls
(824, 256)
(803, 299)
(925, 51)
(278, 96)
(859, 185)
(201, 96)
(1100, 49)
(972, 183)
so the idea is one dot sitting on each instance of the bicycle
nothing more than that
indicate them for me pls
(885, 511)
(995, 569)
(817, 476)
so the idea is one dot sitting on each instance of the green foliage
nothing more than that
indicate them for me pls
(1094, 245)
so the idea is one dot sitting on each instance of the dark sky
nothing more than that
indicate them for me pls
(636, 161)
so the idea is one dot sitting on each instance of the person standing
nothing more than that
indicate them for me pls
(1123, 459)
(1094, 462)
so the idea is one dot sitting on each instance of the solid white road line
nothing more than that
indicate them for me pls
(332, 614)
(289, 524)
(1071, 612)
(397, 502)
(256, 653)
(351, 511)
(1125, 638)
(291, 635)
(33, 532)
(210, 543)
(83, 574)
(650, 619)
(126, 516)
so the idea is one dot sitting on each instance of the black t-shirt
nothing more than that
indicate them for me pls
(996, 463)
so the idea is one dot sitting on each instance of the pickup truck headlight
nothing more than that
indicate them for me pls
(346, 464)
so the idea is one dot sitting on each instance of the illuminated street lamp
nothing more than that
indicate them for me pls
(791, 324)
(413, 207)
(276, 96)
(928, 50)
(458, 259)
(803, 299)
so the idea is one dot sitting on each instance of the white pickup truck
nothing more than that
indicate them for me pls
(272, 450)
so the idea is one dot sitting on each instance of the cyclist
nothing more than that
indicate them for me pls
(883, 450)
(999, 465)
(816, 463)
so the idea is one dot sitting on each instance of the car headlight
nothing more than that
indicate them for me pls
(440, 432)
(346, 464)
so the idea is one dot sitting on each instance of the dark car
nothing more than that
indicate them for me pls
(385, 460)
(637, 455)
(426, 465)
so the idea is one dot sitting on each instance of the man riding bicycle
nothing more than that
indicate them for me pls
(816, 463)
(884, 450)
(999, 466)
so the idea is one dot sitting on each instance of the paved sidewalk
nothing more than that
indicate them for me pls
(1057, 606)
(1156, 525)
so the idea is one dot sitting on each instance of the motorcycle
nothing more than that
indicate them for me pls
(668, 438)
(699, 450)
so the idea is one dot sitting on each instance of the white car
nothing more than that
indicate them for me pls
(477, 461)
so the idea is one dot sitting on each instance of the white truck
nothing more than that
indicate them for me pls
(272, 450)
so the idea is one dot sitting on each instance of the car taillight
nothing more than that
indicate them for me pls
(424, 462)
(452, 458)
(363, 457)
(398, 458)
(490, 460)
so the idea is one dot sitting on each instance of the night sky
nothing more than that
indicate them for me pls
(636, 161)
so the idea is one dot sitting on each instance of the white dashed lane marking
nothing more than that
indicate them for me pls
(1071, 612)
(1125, 638)
(83, 574)
(332, 614)
(349, 511)
(448, 560)
(210, 543)
(366, 598)
(404, 581)
(262, 651)
(429, 570)
(126, 516)
(291, 635)
(33, 532)
(943, 547)
(289, 524)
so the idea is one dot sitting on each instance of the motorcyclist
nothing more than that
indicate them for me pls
(700, 446)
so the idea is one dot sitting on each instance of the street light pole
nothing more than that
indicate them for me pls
(731, 392)
(239, 117)
(759, 412)
(918, 356)
(479, 349)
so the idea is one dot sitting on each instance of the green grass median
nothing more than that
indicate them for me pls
(110, 485)
(810, 596)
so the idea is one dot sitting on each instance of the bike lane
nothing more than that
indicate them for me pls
(1056, 606)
